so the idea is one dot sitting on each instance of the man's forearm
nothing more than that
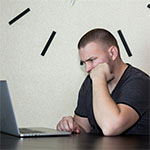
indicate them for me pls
(83, 123)
(106, 111)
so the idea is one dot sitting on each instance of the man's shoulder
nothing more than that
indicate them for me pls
(87, 84)
(134, 73)
(134, 77)
(87, 80)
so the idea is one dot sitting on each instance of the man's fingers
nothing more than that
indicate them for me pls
(60, 126)
(76, 128)
(70, 123)
(66, 124)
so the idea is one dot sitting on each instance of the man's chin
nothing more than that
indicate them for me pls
(110, 80)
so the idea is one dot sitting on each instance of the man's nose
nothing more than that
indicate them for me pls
(88, 67)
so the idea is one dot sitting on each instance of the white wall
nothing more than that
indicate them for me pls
(44, 89)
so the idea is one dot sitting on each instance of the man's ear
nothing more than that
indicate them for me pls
(113, 52)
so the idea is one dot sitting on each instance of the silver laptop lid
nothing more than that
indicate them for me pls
(8, 122)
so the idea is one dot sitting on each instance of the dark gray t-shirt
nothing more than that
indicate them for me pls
(132, 90)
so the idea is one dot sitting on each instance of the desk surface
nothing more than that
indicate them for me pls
(75, 141)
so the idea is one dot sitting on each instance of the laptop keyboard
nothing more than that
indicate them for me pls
(25, 130)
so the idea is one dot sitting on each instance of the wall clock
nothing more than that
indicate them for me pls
(39, 84)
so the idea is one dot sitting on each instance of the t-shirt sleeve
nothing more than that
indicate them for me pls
(81, 109)
(135, 93)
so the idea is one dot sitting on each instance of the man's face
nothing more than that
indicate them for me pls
(92, 54)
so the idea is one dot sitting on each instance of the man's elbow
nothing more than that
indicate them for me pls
(112, 130)
(108, 132)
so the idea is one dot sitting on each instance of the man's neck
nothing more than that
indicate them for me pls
(118, 72)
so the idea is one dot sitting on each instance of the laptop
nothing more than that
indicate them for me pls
(8, 123)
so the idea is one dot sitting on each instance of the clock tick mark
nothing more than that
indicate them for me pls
(72, 2)
(48, 43)
(148, 5)
(19, 16)
(124, 43)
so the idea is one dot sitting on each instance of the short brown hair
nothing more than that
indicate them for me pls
(98, 35)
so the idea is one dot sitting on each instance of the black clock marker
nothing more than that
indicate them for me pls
(124, 43)
(48, 43)
(148, 5)
(81, 63)
(19, 16)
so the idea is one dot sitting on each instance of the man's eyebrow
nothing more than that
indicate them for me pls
(89, 59)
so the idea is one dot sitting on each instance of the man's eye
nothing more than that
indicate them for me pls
(91, 60)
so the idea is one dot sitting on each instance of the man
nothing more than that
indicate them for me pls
(114, 98)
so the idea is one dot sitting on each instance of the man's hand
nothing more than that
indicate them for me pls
(101, 71)
(68, 124)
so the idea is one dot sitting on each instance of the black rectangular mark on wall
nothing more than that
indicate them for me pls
(19, 16)
(148, 5)
(124, 43)
(48, 43)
